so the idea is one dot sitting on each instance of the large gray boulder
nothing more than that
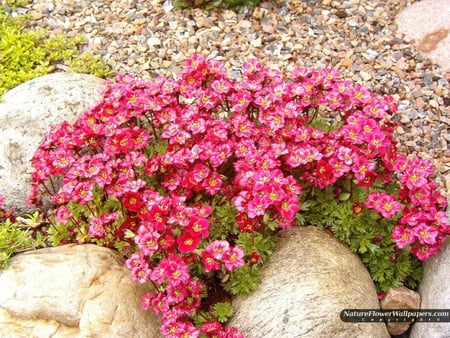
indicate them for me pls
(26, 113)
(434, 290)
(72, 291)
(305, 285)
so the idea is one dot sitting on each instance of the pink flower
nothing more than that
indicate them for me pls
(385, 204)
(362, 168)
(176, 293)
(288, 209)
(83, 192)
(146, 301)
(159, 303)
(218, 248)
(414, 178)
(178, 158)
(212, 184)
(231, 332)
(403, 236)
(423, 251)
(233, 258)
(63, 214)
(141, 273)
(172, 329)
(171, 268)
(209, 261)
(136, 259)
(97, 227)
(211, 329)
(425, 234)
(200, 172)
(147, 241)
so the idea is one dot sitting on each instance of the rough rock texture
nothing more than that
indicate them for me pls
(400, 298)
(72, 291)
(26, 113)
(435, 292)
(427, 23)
(305, 285)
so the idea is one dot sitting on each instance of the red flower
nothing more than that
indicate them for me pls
(198, 227)
(132, 201)
(209, 261)
(188, 242)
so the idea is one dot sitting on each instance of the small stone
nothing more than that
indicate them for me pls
(365, 75)
(400, 298)
(347, 62)
(399, 130)
(256, 43)
(36, 15)
(428, 79)
(154, 42)
(405, 119)
(433, 103)
(173, 24)
(341, 13)
(98, 42)
(420, 103)
(245, 24)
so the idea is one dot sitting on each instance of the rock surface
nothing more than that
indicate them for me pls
(26, 113)
(72, 291)
(427, 23)
(400, 298)
(305, 285)
(435, 292)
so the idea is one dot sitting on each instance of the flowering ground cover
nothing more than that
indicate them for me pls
(191, 178)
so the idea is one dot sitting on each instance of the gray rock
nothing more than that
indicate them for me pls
(305, 285)
(26, 113)
(72, 291)
(434, 290)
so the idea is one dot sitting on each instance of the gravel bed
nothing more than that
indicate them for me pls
(359, 38)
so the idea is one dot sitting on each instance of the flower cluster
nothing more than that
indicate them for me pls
(147, 169)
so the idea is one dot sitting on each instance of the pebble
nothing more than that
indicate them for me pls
(154, 42)
(358, 38)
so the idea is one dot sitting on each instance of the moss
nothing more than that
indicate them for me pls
(237, 5)
(27, 54)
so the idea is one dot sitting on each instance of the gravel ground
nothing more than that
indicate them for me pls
(359, 38)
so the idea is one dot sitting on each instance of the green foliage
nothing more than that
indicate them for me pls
(366, 234)
(224, 219)
(26, 54)
(256, 242)
(14, 3)
(57, 234)
(223, 311)
(244, 280)
(237, 5)
(88, 63)
(15, 238)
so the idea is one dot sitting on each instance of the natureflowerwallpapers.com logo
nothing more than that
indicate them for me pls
(395, 315)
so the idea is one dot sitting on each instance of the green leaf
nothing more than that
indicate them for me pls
(223, 311)
(264, 245)
(243, 280)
